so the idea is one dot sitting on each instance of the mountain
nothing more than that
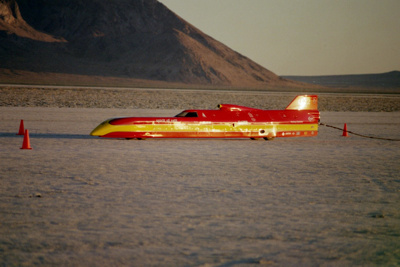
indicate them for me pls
(379, 80)
(139, 39)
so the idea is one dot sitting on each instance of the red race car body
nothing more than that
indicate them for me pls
(300, 118)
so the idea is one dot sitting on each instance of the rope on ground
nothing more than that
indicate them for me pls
(353, 133)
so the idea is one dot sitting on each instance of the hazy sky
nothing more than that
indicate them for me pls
(303, 37)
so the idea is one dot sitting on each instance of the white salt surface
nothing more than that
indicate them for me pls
(79, 200)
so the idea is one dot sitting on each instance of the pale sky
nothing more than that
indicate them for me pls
(303, 37)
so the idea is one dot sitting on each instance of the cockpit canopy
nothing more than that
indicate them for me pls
(187, 114)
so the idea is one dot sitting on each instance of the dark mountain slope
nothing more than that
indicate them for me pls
(120, 38)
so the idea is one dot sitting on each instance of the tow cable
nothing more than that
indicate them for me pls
(353, 133)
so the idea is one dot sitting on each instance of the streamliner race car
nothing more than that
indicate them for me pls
(299, 118)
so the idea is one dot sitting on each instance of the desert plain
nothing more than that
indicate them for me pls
(78, 200)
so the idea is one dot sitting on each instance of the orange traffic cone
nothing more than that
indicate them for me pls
(345, 133)
(26, 144)
(21, 128)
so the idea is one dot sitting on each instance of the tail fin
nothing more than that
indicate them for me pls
(304, 102)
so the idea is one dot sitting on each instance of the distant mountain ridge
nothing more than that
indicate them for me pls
(381, 80)
(139, 39)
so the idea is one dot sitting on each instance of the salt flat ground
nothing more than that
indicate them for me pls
(77, 200)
